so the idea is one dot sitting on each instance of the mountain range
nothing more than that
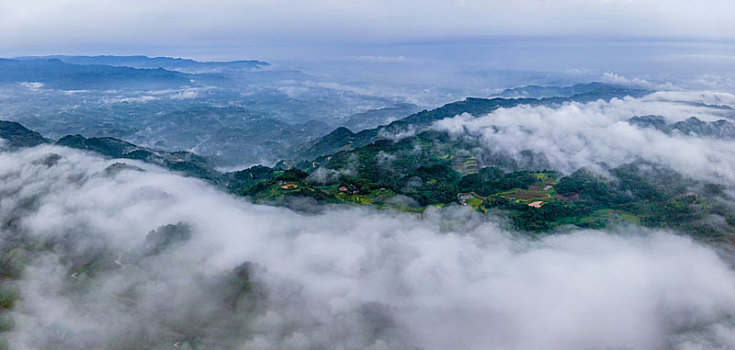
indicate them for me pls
(169, 63)
(54, 73)
(428, 167)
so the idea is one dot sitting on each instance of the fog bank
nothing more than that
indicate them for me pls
(597, 134)
(348, 278)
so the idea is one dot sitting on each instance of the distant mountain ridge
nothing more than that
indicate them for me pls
(140, 61)
(537, 91)
(55, 73)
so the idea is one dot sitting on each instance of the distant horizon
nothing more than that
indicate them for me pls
(475, 66)
(233, 52)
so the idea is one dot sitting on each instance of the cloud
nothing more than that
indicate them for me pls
(409, 131)
(324, 176)
(711, 98)
(345, 278)
(136, 99)
(576, 135)
(701, 57)
(637, 82)
(32, 86)
(152, 95)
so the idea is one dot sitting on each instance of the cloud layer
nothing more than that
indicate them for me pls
(346, 278)
(594, 134)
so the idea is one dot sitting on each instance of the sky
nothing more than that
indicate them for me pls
(87, 25)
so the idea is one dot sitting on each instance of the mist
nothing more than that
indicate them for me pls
(132, 256)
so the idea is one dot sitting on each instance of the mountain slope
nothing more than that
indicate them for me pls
(417, 122)
(375, 117)
(185, 162)
(17, 135)
(536, 91)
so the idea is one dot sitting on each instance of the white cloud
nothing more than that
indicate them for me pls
(637, 82)
(154, 95)
(136, 99)
(32, 86)
(576, 135)
(348, 278)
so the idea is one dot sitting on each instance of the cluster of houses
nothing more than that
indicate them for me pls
(351, 190)
(462, 198)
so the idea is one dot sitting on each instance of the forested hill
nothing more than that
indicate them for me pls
(16, 135)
